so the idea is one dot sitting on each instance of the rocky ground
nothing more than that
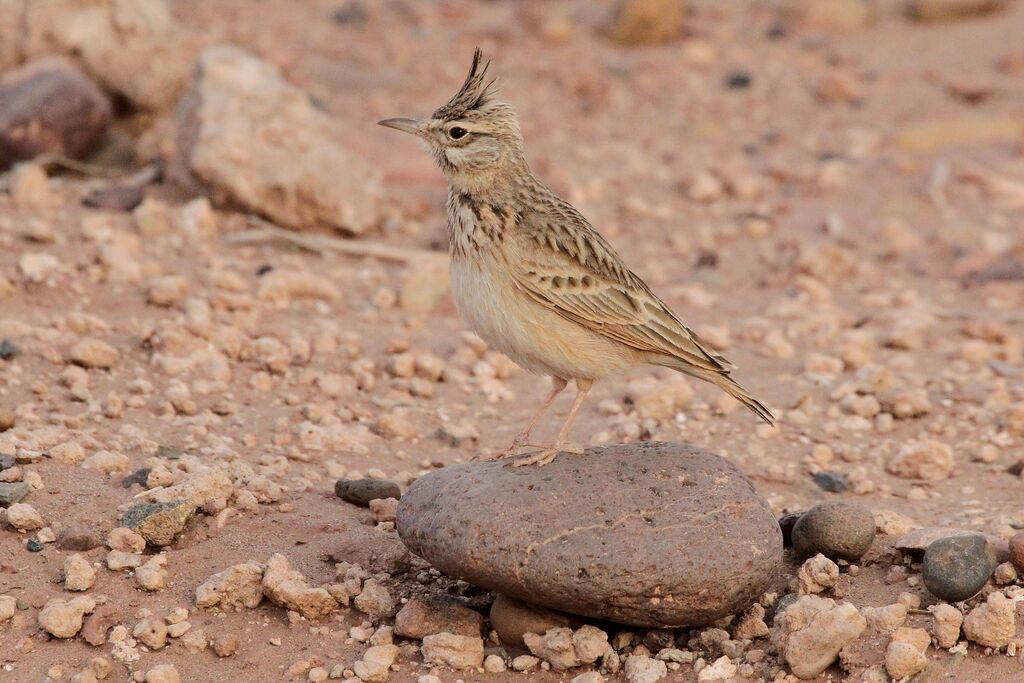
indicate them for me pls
(832, 193)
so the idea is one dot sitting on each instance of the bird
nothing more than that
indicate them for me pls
(534, 279)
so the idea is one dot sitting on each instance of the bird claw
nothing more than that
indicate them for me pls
(506, 452)
(545, 456)
(571, 448)
(539, 458)
(488, 457)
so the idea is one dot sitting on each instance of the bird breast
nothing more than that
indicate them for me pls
(534, 336)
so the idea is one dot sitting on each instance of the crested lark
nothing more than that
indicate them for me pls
(533, 278)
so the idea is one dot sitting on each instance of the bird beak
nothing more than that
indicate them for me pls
(413, 126)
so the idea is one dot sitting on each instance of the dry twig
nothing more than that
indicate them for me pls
(322, 244)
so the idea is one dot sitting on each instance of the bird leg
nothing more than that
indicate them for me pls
(560, 445)
(524, 436)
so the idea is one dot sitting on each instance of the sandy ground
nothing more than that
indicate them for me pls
(833, 227)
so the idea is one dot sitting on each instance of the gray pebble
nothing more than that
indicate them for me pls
(780, 606)
(361, 491)
(957, 567)
(140, 477)
(830, 481)
(159, 523)
(837, 530)
(786, 523)
(79, 538)
(11, 493)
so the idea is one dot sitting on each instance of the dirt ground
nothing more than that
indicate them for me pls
(839, 209)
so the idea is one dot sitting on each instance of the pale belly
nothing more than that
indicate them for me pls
(533, 336)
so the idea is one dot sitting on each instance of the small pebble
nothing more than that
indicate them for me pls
(361, 491)
(830, 481)
(738, 80)
(7, 349)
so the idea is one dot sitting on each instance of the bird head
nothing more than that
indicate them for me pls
(474, 137)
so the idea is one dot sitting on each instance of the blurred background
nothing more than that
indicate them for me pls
(213, 259)
(650, 115)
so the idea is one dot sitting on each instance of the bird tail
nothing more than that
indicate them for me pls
(723, 381)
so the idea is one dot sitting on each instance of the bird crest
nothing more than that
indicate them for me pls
(475, 94)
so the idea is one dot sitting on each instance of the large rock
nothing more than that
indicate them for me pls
(649, 534)
(50, 106)
(259, 142)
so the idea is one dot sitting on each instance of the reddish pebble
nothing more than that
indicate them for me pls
(1017, 551)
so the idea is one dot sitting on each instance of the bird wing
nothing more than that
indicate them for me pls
(576, 273)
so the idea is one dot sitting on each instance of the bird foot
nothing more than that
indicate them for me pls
(488, 457)
(507, 452)
(545, 456)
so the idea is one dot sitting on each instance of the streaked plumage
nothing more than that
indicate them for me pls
(532, 277)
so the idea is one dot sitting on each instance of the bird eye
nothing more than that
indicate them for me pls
(455, 132)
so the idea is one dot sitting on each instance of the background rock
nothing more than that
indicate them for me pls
(835, 15)
(258, 141)
(49, 106)
(135, 49)
(639, 22)
(702, 543)
(12, 32)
